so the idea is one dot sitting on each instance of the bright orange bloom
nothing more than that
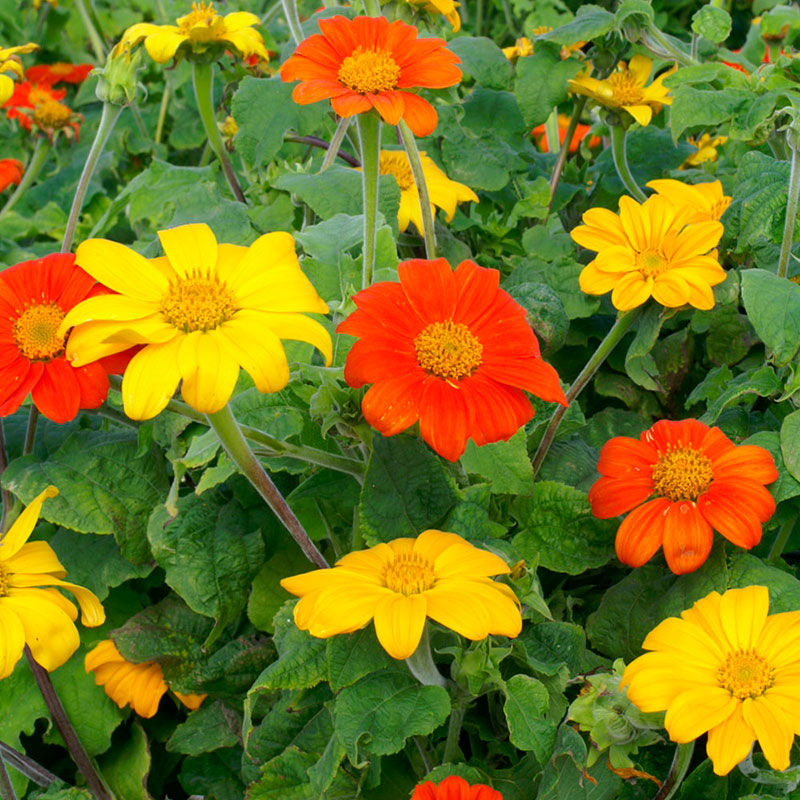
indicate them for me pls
(581, 131)
(60, 72)
(11, 171)
(700, 479)
(450, 349)
(368, 63)
(40, 104)
(455, 788)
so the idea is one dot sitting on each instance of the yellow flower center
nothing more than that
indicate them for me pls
(369, 71)
(51, 114)
(448, 350)
(409, 573)
(651, 263)
(201, 14)
(627, 91)
(746, 674)
(198, 304)
(682, 474)
(397, 164)
(3, 580)
(36, 332)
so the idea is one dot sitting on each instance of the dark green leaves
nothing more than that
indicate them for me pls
(525, 708)
(537, 98)
(773, 307)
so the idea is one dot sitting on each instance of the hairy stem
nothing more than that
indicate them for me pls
(336, 143)
(32, 170)
(785, 531)
(414, 160)
(6, 789)
(421, 664)
(677, 771)
(791, 210)
(618, 151)
(655, 41)
(292, 20)
(94, 36)
(457, 715)
(369, 132)
(315, 141)
(551, 132)
(162, 114)
(564, 151)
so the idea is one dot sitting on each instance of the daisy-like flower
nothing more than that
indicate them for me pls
(11, 68)
(679, 480)
(704, 202)
(447, 8)
(367, 63)
(39, 105)
(625, 89)
(649, 250)
(523, 47)
(11, 171)
(399, 584)
(443, 192)
(450, 349)
(728, 669)
(706, 149)
(196, 33)
(59, 72)
(201, 311)
(455, 788)
(35, 296)
(581, 132)
(140, 686)
(32, 612)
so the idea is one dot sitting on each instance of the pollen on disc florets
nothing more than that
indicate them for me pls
(448, 350)
(746, 674)
(35, 332)
(627, 91)
(51, 114)
(198, 303)
(369, 71)
(397, 164)
(682, 474)
(409, 573)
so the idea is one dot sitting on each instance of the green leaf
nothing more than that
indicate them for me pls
(745, 569)
(546, 514)
(551, 645)
(545, 313)
(773, 308)
(761, 382)
(730, 335)
(127, 766)
(525, 707)
(790, 443)
(352, 656)
(537, 97)
(506, 466)
(210, 727)
(787, 485)
(378, 713)
(629, 10)
(639, 364)
(213, 775)
(712, 23)
(483, 60)
(590, 22)
(706, 108)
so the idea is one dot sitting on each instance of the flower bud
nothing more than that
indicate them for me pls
(117, 79)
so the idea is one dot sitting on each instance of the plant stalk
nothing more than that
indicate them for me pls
(162, 114)
(336, 143)
(785, 531)
(6, 789)
(618, 151)
(372, 8)
(30, 431)
(791, 210)
(564, 151)
(27, 766)
(655, 41)
(551, 132)
(414, 160)
(94, 36)
(32, 170)
(7, 497)
(421, 665)
(315, 141)
(369, 132)
(293, 20)
(457, 715)
(677, 771)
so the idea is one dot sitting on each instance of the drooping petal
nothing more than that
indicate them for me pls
(35, 557)
(641, 533)
(57, 393)
(121, 269)
(12, 640)
(775, 733)
(687, 537)
(399, 622)
(24, 524)
(729, 742)
(208, 370)
(151, 379)
(444, 418)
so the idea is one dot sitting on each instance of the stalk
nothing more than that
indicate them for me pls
(94, 36)
(618, 149)
(372, 8)
(336, 143)
(203, 92)
(421, 664)
(551, 132)
(428, 231)
(457, 715)
(6, 789)
(564, 151)
(677, 772)
(32, 170)
(162, 114)
(30, 431)
(776, 551)
(791, 209)
(315, 141)
(292, 20)
(655, 41)
(7, 497)
(369, 132)
(27, 766)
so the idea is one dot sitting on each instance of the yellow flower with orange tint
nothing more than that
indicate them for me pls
(703, 201)
(522, 48)
(448, 8)
(399, 584)
(649, 250)
(202, 311)
(728, 669)
(706, 149)
(32, 612)
(625, 89)
(140, 686)
(11, 68)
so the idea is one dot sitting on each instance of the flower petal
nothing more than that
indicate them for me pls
(151, 379)
(399, 622)
(121, 269)
(191, 249)
(24, 524)
(775, 733)
(744, 612)
(641, 533)
(729, 742)
(687, 537)
(208, 370)
(12, 640)
(693, 713)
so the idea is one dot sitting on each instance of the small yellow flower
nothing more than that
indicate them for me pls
(201, 29)
(140, 686)
(201, 311)
(702, 201)
(399, 584)
(40, 617)
(706, 149)
(728, 669)
(445, 7)
(522, 48)
(10, 63)
(625, 89)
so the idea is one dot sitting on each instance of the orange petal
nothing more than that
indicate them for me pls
(642, 532)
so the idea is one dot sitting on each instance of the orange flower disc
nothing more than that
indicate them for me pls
(455, 788)
(368, 63)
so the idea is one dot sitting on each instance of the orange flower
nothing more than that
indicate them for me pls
(455, 788)
(580, 134)
(60, 72)
(368, 63)
(11, 171)
(700, 480)
(450, 349)
(40, 104)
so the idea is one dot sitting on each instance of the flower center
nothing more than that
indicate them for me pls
(36, 332)
(369, 71)
(397, 164)
(201, 14)
(51, 114)
(626, 91)
(409, 573)
(682, 474)
(746, 674)
(198, 304)
(448, 350)
(651, 263)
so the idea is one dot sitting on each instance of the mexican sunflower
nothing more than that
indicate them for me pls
(32, 612)
(455, 788)
(649, 250)
(399, 584)
(11, 171)
(450, 349)
(679, 480)
(369, 62)
(35, 104)
(581, 132)
(706, 149)
(58, 72)
(447, 8)
(728, 669)
(704, 201)
(35, 296)
(140, 686)
(11, 68)
(201, 311)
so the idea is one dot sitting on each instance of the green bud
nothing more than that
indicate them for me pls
(116, 82)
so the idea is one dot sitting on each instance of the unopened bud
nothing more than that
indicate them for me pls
(116, 82)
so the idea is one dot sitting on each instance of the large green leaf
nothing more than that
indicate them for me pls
(127, 766)
(210, 727)
(505, 465)
(538, 97)
(483, 60)
(525, 708)
(773, 308)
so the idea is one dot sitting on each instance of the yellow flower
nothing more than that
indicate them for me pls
(202, 28)
(702, 201)
(706, 149)
(445, 7)
(437, 575)
(626, 89)
(140, 686)
(649, 250)
(728, 669)
(202, 310)
(522, 48)
(10, 63)
(443, 192)
(42, 618)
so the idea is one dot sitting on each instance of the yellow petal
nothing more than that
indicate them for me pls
(209, 371)
(162, 45)
(6, 90)
(775, 733)
(744, 612)
(92, 612)
(319, 580)
(24, 524)
(263, 255)
(240, 19)
(12, 640)
(456, 608)
(641, 67)
(671, 290)
(344, 609)
(594, 281)
(464, 560)
(103, 653)
(107, 307)
(35, 557)
(500, 603)
(642, 114)
(399, 622)
(150, 379)
(369, 564)
(696, 711)
(431, 544)
(248, 42)
(779, 642)
(655, 679)
(631, 291)
(190, 249)
(729, 742)
(685, 642)
(601, 228)
(297, 327)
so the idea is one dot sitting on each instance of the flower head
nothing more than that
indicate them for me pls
(140, 686)
(11, 68)
(706, 149)
(648, 249)
(196, 33)
(581, 132)
(450, 349)
(201, 311)
(700, 480)
(11, 171)
(625, 89)
(455, 788)
(369, 62)
(59, 72)
(399, 584)
(728, 669)
(448, 8)
(32, 612)
(522, 48)
(39, 105)
(704, 202)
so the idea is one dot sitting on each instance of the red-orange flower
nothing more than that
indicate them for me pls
(59, 72)
(581, 131)
(455, 788)
(40, 104)
(700, 479)
(11, 171)
(450, 349)
(368, 63)
(34, 298)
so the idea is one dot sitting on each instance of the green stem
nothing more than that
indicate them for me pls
(108, 119)
(655, 41)
(369, 132)
(162, 114)
(478, 17)
(204, 94)
(791, 210)
(232, 439)
(551, 132)
(421, 664)
(32, 170)
(512, 29)
(315, 141)
(271, 12)
(94, 36)
(695, 43)
(677, 771)
(621, 163)
(30, 431)
(415, 162)
(372, 8)
(27, 766)
(785, 531)
(451, 750)
(293, 20)
(7, 497)
(564, 151)
(619, 329)
(336, 143)
(6, 789)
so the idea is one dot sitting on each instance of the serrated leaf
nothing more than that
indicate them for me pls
(525, 707)
(506, 466)
(745, 569)
(537, 97)
(482, 59)
(210, 727)
(589, 23)
(352, 656)
(790, 443)
(707, 108)
(773, 308)
(761, 382)
(551, 645)
(288, 777)
(639, 364)
(713, 23)
(787, 485)
(127, 766)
